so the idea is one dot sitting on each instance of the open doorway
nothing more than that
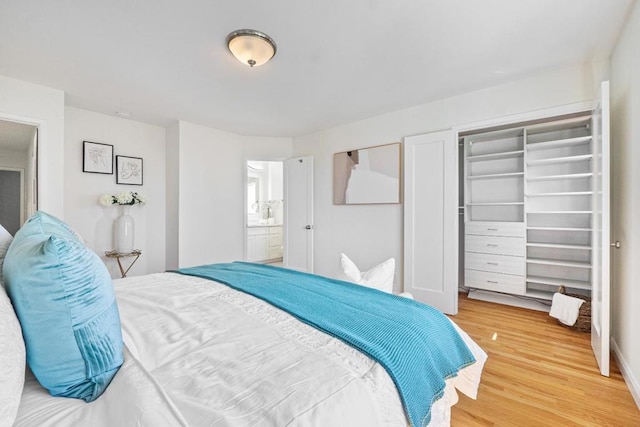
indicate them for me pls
(264, 212)
(18, 173)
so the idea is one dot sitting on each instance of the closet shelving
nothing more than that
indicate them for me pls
(558, 195)
(495, 175)
(537, 178)
(494, 211)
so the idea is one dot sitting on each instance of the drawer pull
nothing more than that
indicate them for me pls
(492, 245)
(492, 281)
(492, 229)
(492, 263)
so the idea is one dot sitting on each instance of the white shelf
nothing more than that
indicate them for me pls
(553, 281)
(496, 175)
(559, 246)
(555, 160)
(568, 193)
(559, 177)
(559, 263)
(560, 212)
(558, 143)
(558, 229)
(497, 204)
(496, 156)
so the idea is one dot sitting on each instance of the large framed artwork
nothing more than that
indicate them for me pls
(128, 170)
(367, 175)
(97, 157)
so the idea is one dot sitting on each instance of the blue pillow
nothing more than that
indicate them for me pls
(64, 299)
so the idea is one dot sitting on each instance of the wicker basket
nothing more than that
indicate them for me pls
(583, 324)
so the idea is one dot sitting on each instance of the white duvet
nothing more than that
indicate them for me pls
(201, 354)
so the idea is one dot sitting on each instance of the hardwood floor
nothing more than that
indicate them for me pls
(538, 373)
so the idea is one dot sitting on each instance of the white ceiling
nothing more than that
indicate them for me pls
(337, 61)
(15, 136)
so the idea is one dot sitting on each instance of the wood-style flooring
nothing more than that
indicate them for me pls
(538, 373)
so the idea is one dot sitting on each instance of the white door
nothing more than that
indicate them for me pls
(298, 214)
(600, 236)
(431, 220)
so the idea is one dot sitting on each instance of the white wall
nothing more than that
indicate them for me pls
(370, 234)
(625, 114)
(82, 190)
(44, 107)
(212, 170)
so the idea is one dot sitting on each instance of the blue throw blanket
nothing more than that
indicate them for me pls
(415, 343)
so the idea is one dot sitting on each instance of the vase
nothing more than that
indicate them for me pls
(124, 231)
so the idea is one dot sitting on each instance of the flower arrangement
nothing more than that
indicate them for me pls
(124, 198)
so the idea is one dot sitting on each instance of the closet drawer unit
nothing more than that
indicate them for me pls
(494, 282)
(505, 229)
(495, 263)
(495, 245)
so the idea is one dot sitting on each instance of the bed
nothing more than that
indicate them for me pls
(199, 352)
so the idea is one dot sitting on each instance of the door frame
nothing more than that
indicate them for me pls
(41, 133)
(245, 182)
(545, 113)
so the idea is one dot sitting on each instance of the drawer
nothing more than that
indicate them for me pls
(257, 231)
(495, 263)
(495, 245)
(484, 228)
(494, 282)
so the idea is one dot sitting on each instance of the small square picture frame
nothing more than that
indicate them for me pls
(97, 158)
(129, 170)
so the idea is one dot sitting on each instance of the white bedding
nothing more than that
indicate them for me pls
(199, 353)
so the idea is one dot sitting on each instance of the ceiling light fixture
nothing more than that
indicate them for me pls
(251, 47)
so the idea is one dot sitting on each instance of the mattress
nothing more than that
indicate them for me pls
(199, 353)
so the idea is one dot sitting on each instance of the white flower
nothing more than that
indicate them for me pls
(106, 200)
(124, 198)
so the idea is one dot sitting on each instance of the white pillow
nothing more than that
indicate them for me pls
(379, 277)
(12, 361)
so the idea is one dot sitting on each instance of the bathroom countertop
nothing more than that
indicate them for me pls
(263, 225)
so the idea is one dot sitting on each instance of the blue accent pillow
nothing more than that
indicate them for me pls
(64, 299)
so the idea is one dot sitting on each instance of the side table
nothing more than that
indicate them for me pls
(118, 256)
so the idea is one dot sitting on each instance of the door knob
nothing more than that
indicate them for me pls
(308, 227)
(616, 244)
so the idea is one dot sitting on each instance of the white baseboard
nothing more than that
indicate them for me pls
(508, 300)
(629, 378)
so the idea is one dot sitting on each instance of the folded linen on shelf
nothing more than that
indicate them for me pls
(565, 308)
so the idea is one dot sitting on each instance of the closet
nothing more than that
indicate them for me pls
(511, 209)
(529, 207)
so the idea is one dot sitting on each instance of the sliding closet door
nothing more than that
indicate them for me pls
(431, 220)
(600, 291)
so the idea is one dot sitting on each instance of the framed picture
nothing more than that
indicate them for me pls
(97, 157)
(367, 175)
(128, 170)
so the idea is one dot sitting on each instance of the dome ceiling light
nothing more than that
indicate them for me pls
(251, 47)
